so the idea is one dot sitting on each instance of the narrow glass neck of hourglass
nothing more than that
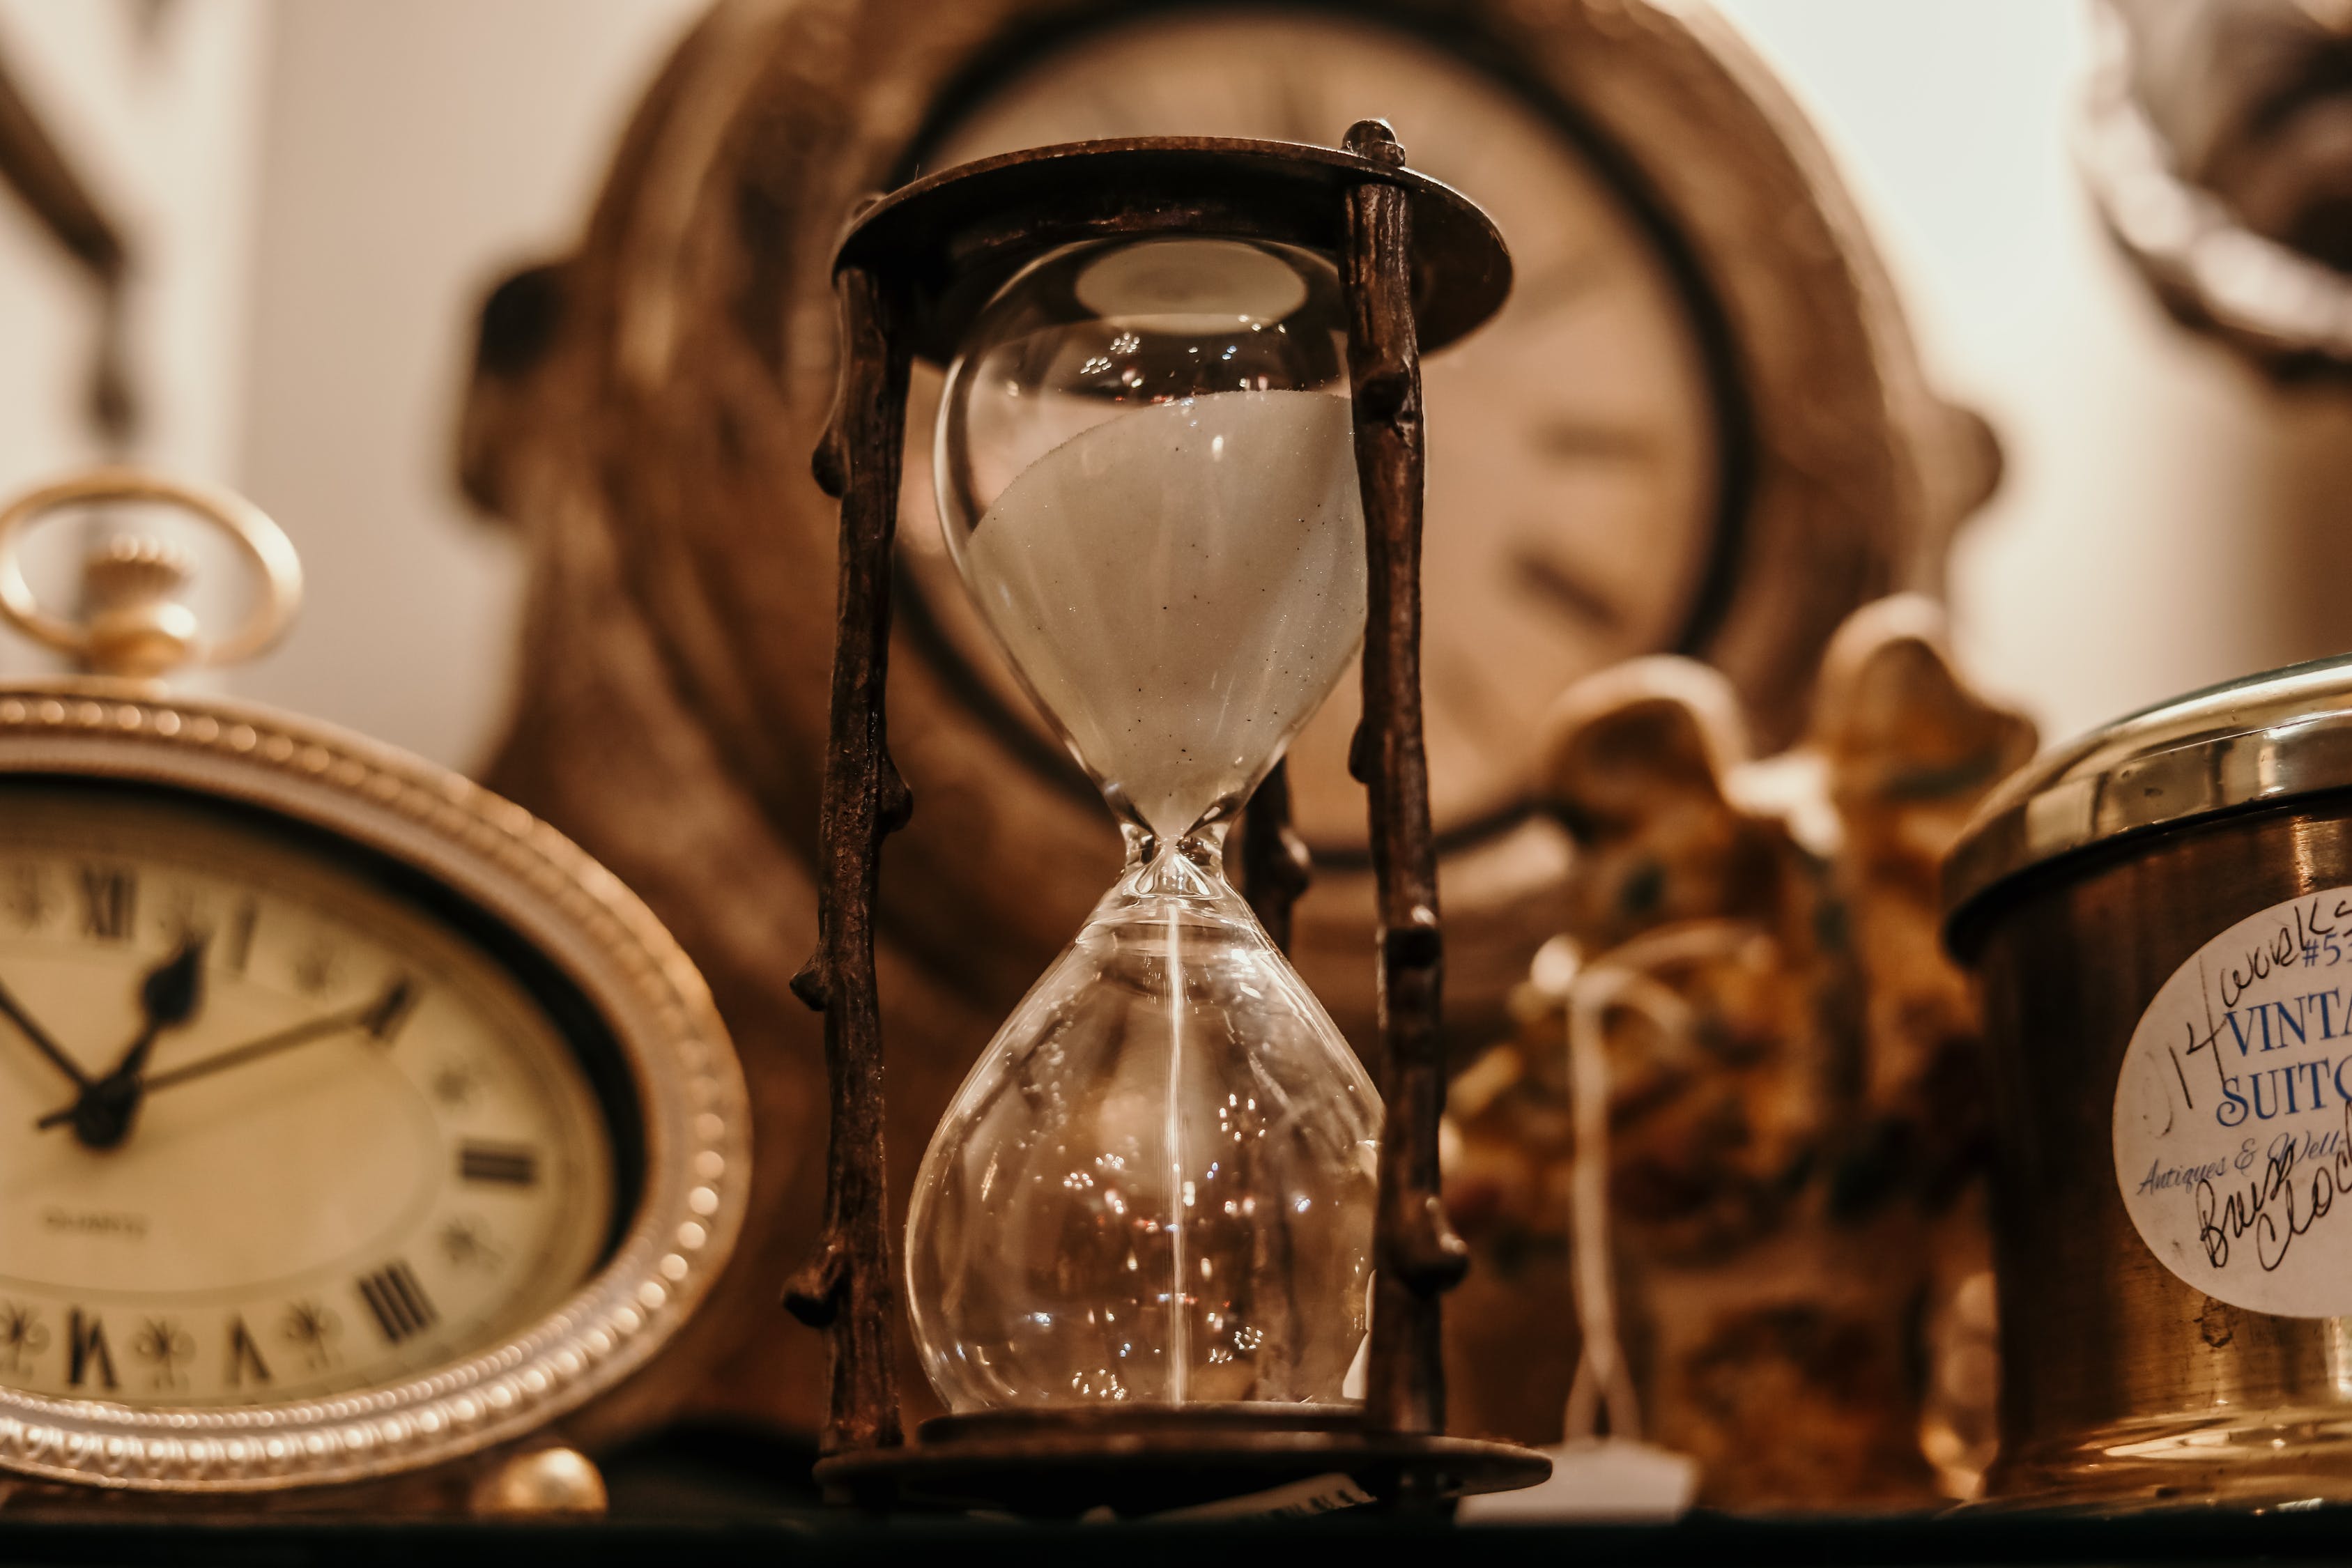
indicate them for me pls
(1191, 866)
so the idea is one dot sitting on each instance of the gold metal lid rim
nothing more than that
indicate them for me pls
(2266, 739)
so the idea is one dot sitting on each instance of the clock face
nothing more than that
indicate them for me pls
(359, 1147)
(1576, 442)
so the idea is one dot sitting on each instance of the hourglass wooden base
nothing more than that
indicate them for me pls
(1137, 1461)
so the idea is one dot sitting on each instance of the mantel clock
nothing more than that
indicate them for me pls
(357, 1124)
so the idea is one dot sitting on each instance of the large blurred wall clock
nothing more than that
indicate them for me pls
(1620, 467)
(1698, 427)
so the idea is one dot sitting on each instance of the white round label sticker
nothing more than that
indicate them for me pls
(2233, 1114)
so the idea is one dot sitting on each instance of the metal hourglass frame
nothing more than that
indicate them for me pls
(1419, 267)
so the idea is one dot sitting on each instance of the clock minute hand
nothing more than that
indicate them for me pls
(14, 1012)
(365, 1015)
(267, 1046)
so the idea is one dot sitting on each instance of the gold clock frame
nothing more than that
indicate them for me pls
(496, 855)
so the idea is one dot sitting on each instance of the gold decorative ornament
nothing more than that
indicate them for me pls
(540, 1482)
(1751, 968)
(427, 1135)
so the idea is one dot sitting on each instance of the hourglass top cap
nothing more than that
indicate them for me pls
(951, 239)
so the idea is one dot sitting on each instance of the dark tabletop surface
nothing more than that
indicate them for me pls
(719, 1498)
(2309, 1536)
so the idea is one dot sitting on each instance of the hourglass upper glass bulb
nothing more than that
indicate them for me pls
(1147, 476)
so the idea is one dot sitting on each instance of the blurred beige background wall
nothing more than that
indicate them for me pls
(321, 190)
(163, 113)
(2168, 519)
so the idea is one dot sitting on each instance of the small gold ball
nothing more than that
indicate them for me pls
(544, 1481)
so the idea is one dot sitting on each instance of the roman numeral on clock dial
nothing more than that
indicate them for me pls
(384, 1019)
(401, 1307)
(85, 1351)
(110, 897)
(245, 1360)
(507, 1163)
(236, 950)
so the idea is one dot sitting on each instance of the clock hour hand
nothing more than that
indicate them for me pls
(169, 997)
(369, 1016)
(15, 1012)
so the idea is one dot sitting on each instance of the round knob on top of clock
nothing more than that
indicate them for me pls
(134, 622)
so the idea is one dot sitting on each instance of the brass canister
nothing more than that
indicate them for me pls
(2161, 914)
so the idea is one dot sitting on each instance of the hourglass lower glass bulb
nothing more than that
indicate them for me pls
(1158, 1183)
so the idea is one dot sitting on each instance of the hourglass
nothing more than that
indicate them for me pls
(1157, 1186)
(1166, 1244)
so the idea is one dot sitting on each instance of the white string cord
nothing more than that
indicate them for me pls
(1623, 977)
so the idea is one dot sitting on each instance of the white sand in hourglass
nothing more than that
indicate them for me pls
(1181, 586)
